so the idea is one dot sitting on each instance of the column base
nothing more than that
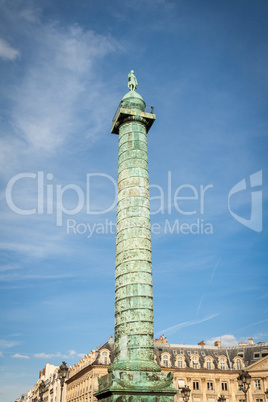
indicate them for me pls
(136, 386)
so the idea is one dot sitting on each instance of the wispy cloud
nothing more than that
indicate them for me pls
(255, 323)
(7, 52)
(259, 336)
(45, 109)
(208, 285)
(73, 353)
(7, 344)
(70, 354)
(58, 94)
(177, 327)
(46, 355)
(19, 356)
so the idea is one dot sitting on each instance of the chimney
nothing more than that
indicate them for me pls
(202, 343)
(250, 341)
(161, 339)
(217, 344)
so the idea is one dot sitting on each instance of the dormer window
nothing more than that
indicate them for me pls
(238, 363)
(104, 358)
(195, 362)
(180, 362)
(208, 363)
(222, 362)
(166, 361)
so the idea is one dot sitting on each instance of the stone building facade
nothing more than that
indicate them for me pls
(209, 371)
(49, 374)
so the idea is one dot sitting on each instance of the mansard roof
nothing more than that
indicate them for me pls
(248, 353)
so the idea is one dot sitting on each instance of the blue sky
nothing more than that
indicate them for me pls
(63, 72)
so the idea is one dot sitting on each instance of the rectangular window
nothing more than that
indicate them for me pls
(259, 400)
(239, 387)
(181, 383)
(257, 385)
(210, 385)
(224, 386)
(256, 355)
(196, 385)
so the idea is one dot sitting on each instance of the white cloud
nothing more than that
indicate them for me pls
(46, 356)
(70, 354)
(59, 94)
(73, 353)
(19, 356)
(81, 355)
(8, 344)
(29, 14)
(7, 52)
(1, 354)
(226, 340)
(47, 101)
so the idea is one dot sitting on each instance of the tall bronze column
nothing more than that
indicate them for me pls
(134, 376)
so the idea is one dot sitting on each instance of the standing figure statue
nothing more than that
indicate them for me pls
(132, 81)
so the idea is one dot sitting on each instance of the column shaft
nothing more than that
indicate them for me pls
(133, 283)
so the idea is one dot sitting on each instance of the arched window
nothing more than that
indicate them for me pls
(222, 364)
(166, 361)
(180, 364)
(104, 358)
(208, 363)
(238, 364)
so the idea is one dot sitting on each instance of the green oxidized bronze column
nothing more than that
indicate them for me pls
(134, 348)
(134, 376)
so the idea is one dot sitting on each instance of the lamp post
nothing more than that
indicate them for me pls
(221, 398)
(244, 382)
(62, 373)
(185, 392)
(42, 388)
